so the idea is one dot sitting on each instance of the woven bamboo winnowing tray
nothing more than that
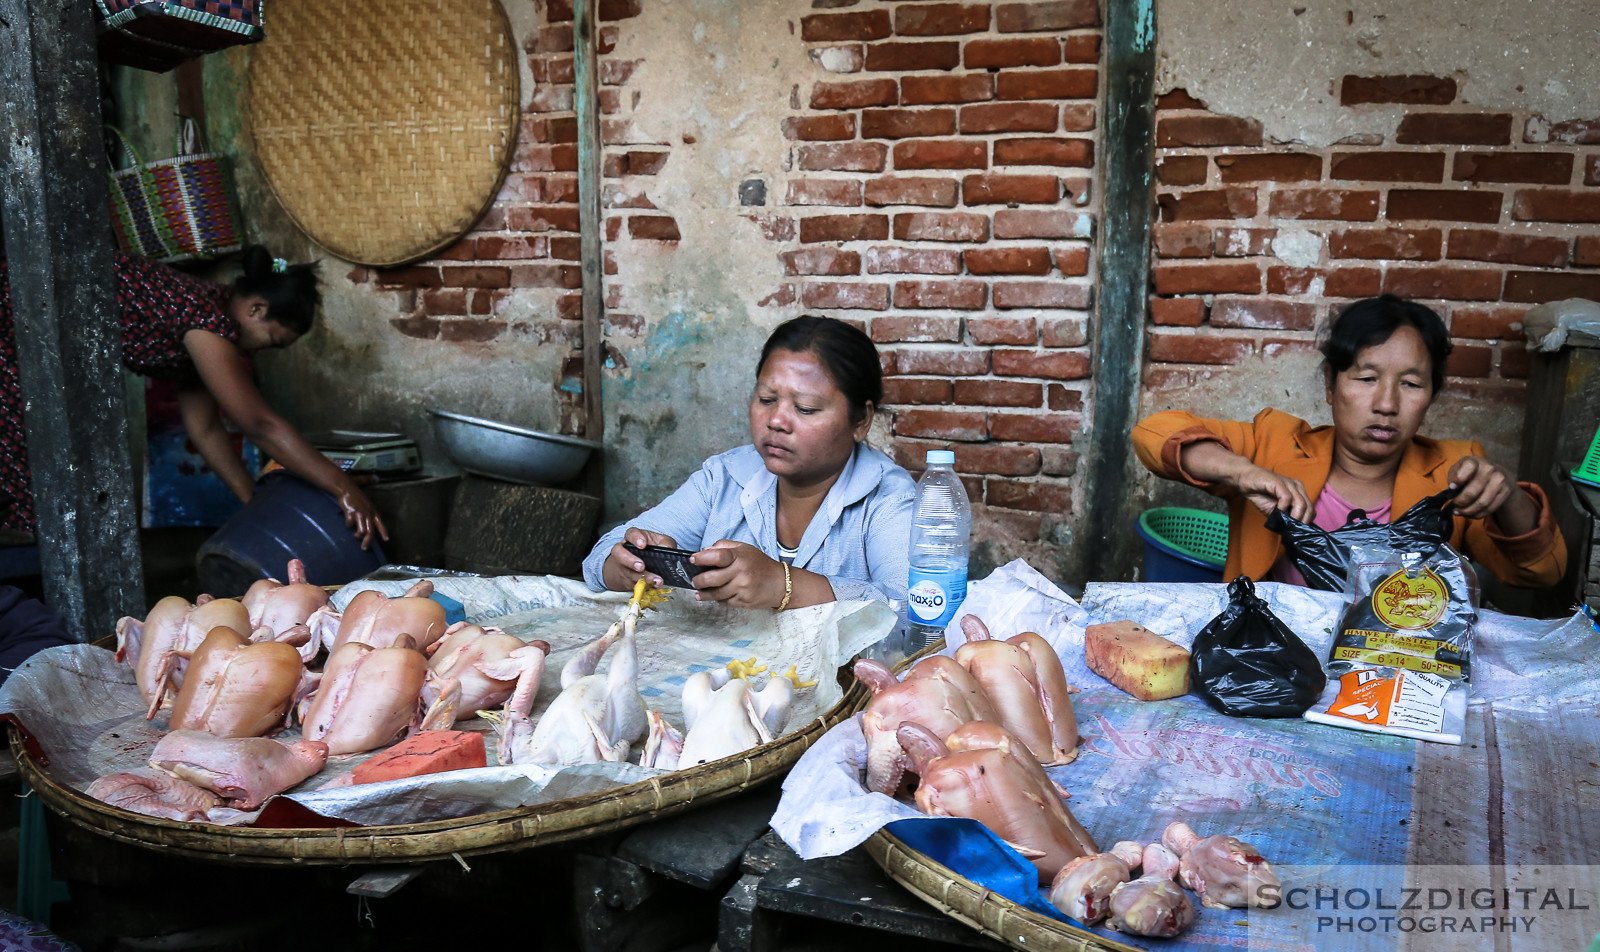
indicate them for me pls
(385, 130)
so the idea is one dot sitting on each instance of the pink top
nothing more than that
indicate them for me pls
(1332, 511)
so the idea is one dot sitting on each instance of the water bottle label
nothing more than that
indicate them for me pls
(935, 596)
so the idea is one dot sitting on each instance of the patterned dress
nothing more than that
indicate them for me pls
(157, 305)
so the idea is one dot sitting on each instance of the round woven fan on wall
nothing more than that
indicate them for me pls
(385, 128)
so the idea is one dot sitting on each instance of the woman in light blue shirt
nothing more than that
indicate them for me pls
(805, 514)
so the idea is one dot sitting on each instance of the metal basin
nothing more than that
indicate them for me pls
(502, 451)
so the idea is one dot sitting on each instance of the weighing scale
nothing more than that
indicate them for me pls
(362, 451)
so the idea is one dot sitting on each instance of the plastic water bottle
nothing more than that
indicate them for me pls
(941, 528)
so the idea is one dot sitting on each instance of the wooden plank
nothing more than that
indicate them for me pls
(63, 293)
(1124, 270)
(586, 53)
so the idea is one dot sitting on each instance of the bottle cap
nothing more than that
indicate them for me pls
(941, 457)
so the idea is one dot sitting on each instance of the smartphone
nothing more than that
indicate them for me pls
(671, 564)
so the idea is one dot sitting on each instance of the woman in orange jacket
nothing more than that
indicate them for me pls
(1383, 364)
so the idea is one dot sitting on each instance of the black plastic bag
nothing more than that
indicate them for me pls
(1246, 663)
(1323, 557)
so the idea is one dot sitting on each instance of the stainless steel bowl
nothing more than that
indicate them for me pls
(502, 451)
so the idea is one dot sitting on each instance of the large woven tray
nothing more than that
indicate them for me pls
(520, 828)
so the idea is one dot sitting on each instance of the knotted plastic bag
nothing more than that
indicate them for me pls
(1247, 663)
(1323, 557)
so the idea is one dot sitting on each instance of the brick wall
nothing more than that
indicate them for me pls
(1480, 213)
(939, 197)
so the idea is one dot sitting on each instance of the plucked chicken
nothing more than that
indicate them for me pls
(235, 688)
(979, 735)
(724, 715)
(488, 665)
(154, 793)
(373, 618)
(936, 693)
(1010, 680)
(173, 628)
(279, 607)
(368, 696)
(244, 771)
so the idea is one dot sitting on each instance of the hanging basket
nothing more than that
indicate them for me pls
(159, 35)
(178, 208)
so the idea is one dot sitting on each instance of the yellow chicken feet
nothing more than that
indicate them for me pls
(794, 678)
(744, 669)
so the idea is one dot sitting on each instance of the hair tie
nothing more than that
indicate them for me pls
(279, 266)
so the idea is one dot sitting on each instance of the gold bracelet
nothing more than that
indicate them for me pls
(788, 586)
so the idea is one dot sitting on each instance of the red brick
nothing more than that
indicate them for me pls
(1073, 153)
(1038, 223)
(939, 192)
(1173, 348)
(1574, 132)
(470, 331)
(840, 27)
(1537, 287)
(1081, 49)
(1034, 427)
(1540, 168)
(1178, 99)
(1410, 90)
(819, 128)
(995, 189)
(619, 9)
(941, 19)
(1244, 242)
(1184, 241)
(1053, 15)
(1262, 313)
(899, 57)
(1271, 167)
(1206, 131)
(444, 301)
(844, 58)
(834, 294)
(1283, 280)
(1072, 260)
(561, 188)
(830, 261)
(653, 227)
(941, 154)
(1587, 252)
(1444, 205)
(546, 218)
(903, 390)
(1482, 245)
(922, 330)
(1202, 205)
(823, 192)
(1182, 169)
(1178, 312)
(1408, 244)
(463, 250)
(1002, 260)
(999, 393)
(1387, 166)
(1048, 84)
(616, 72)
(904, 123)
(1515, 362)
(995, 459)
(993, 54)
(1068, 294)
(1003, 330)
(1010, 117)
(1591, 170)
(843, 157)
(1077, 117)
(946, 362)
(1059, 397)
(1353, 282)
(947, 295)
(854, 95)
(941, 226)
(1468, 361)
(1333, 203)
(1208, 279)
(478, 277)
(890, 260)
(969, 87)
(1454, 128)
(1445, 283)
(1487, 323)
(844, 228)
(942, 424)
(413, 277)
(1030, 496)
(417, 325)
(1064, 332)
(1556, 204)
(546, 276)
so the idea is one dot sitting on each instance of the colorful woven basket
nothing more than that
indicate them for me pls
(161, 34)
(178, 208)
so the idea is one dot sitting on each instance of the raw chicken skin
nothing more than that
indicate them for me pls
(1224, 872)
(374, 619)
(1054, 696)
(367, 697)
(931, 695)
(488, 664)
(158, 647)
(978, 735)
(991, 786)
(281, 607)
(593, 719)
(1083, 888)
(728, 724)
(235, 688)
(662, 746)
(1011, 683)
(244, 771)
(156, 794)
(1150, 906)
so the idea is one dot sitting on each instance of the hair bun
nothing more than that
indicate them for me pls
(256, 261)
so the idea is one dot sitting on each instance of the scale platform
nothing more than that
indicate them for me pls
(363, 451)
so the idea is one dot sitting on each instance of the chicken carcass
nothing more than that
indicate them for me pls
(991, 786)
(373, 618)
(235, 688)
(1010, 681)
(244, 771)
(156, 794)
(937, 693)
(279, 607)
(662, 746)
(1083, 887)
(726, 724)
(1054, 695)
(368, 696)
(488, 665)
(1224, 872)
(978, 735)
(173, 627)
(593, 719)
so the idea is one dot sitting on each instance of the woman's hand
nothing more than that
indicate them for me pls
(361, 516)
(622, 568)
(1214, 463)
(1488, 490)
(739, 575)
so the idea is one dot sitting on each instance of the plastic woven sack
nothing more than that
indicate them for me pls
(1247, 663)
(1323, 557)
(178, 208)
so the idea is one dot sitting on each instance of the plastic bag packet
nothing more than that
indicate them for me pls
(1247, 663)
(1323, 557)
(1402, 657)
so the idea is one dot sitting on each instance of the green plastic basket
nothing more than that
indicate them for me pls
(1193, 532)
(1588, 471)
